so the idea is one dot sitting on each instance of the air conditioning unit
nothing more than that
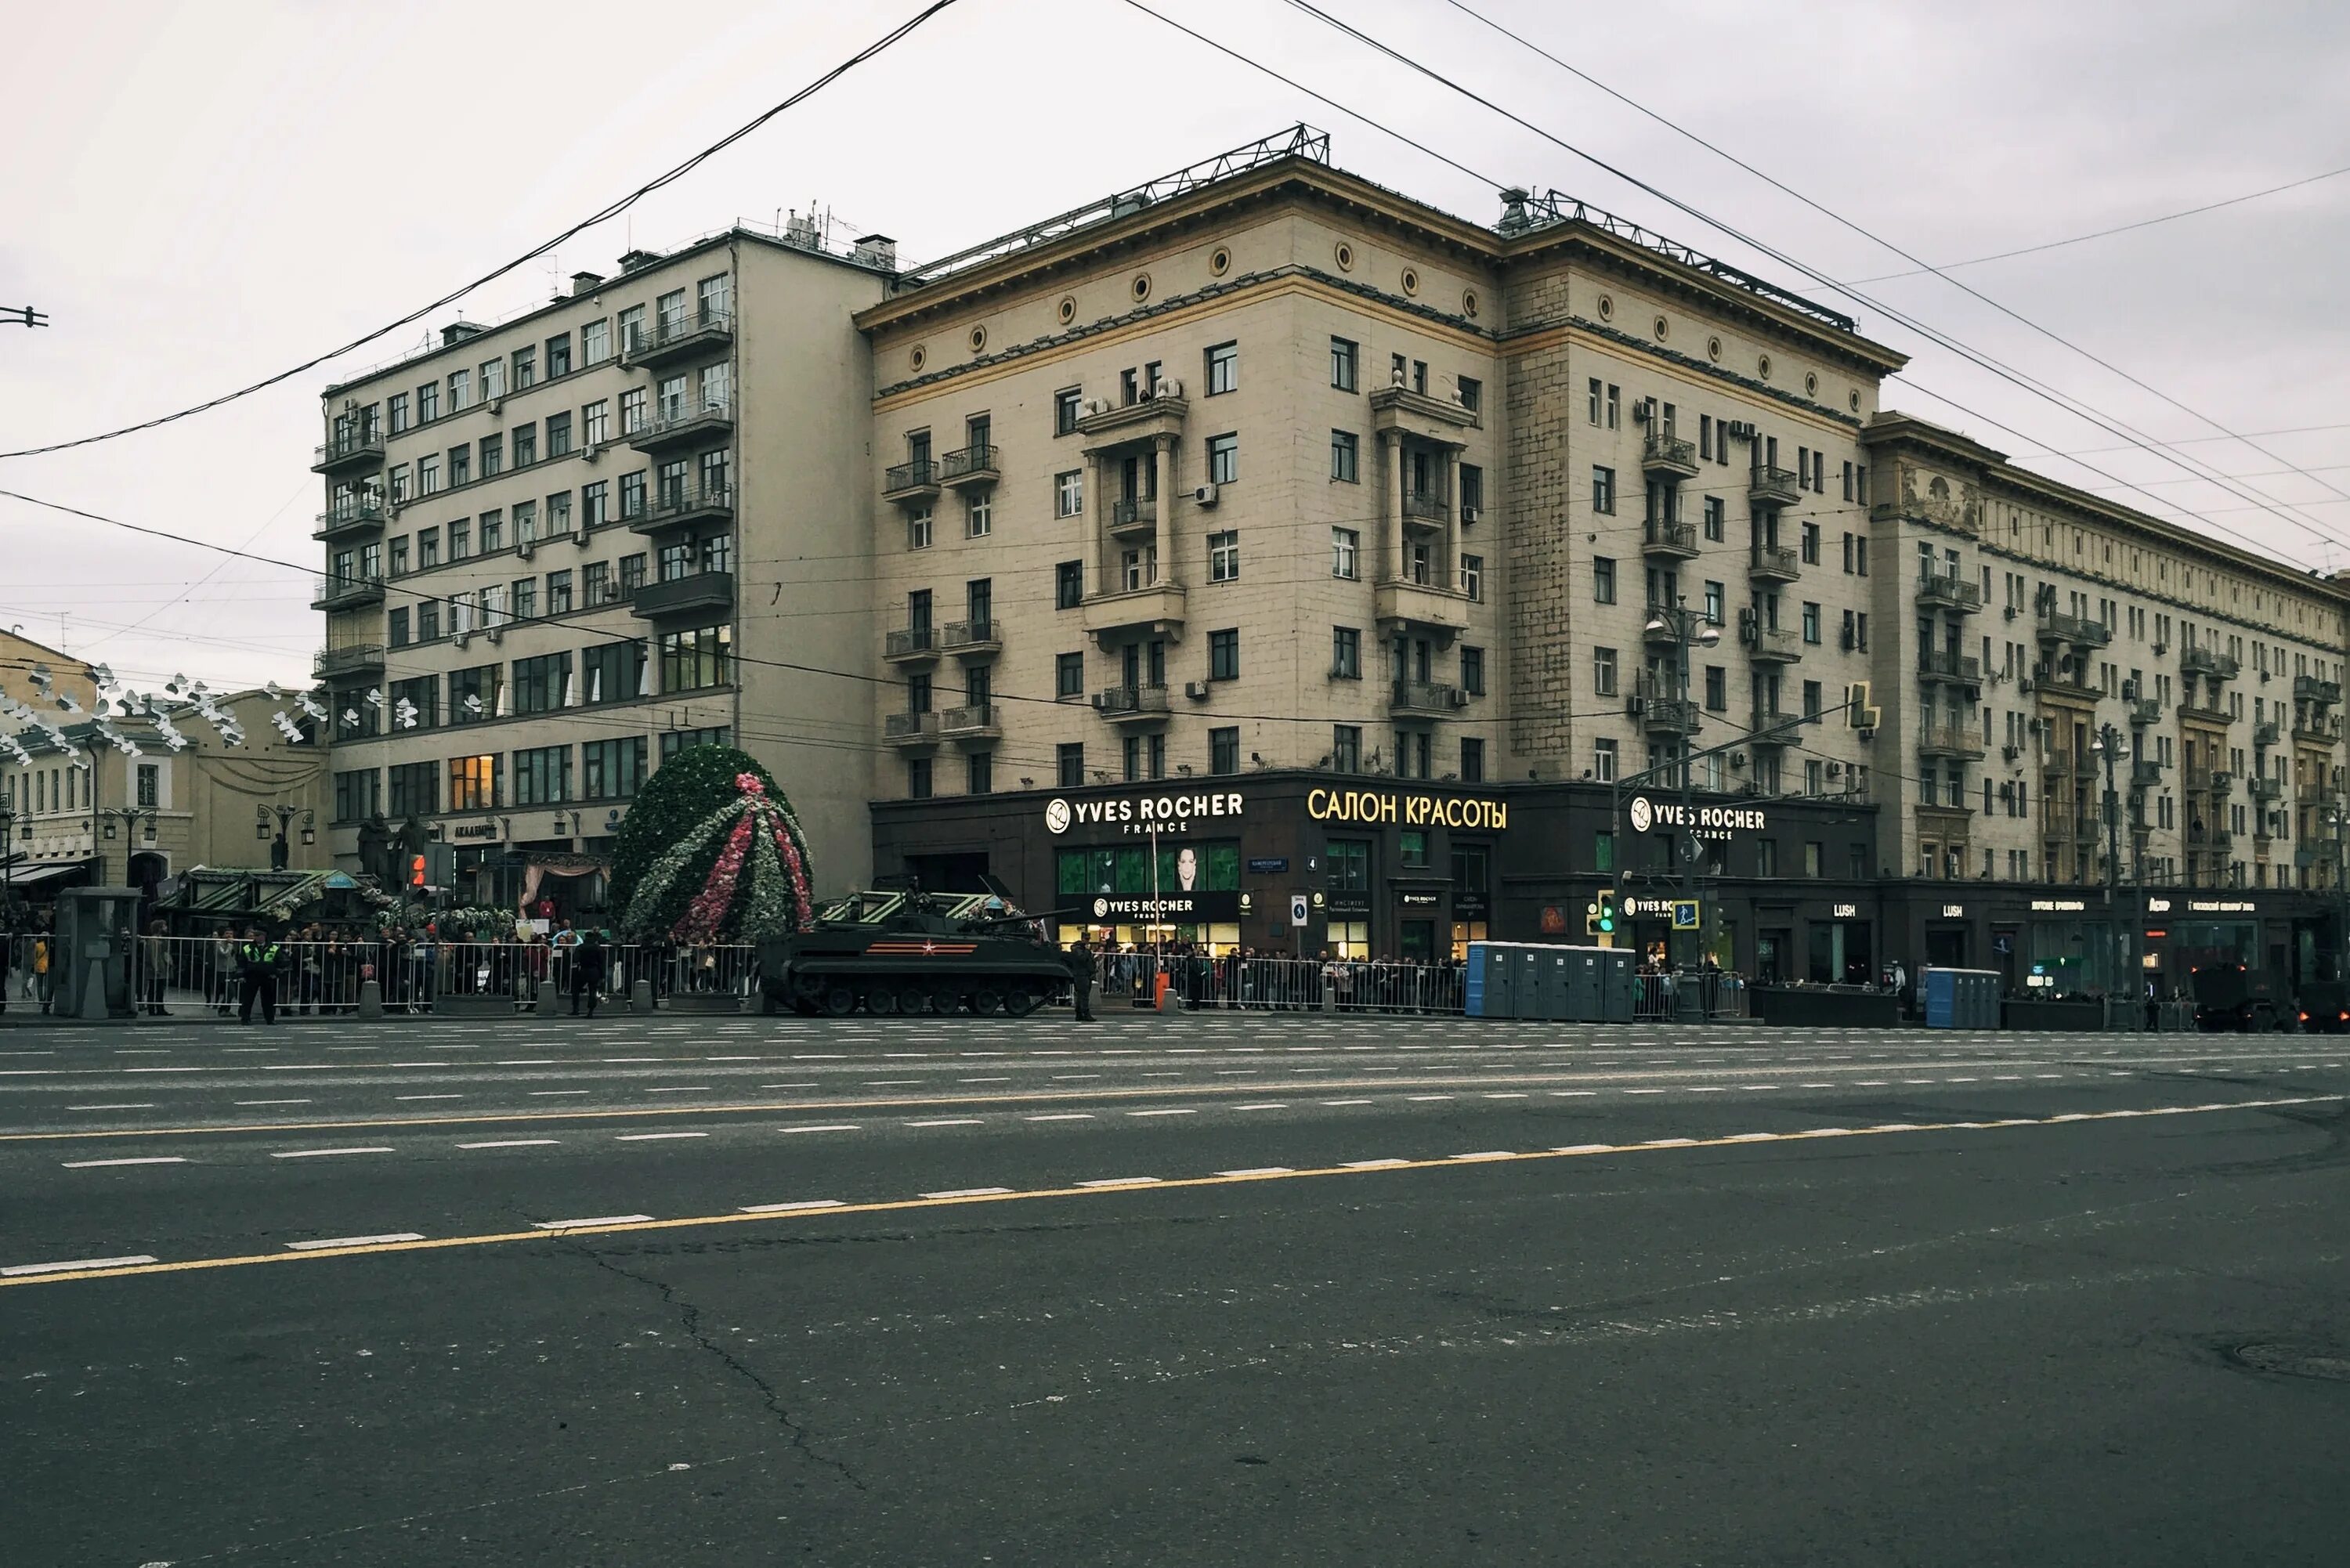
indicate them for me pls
(1468, 514)
(2160, 649)
(496, 634)
(2010, 611)
(593, 452)
(526, 548)
(1457, 698)
(2011, 753)
(2024, 685)
(1640, 412)
(1741, 430)
(460, 639)
(1197, 690)
(1738, 759)
(1096, 406)
(1836, 770)
(1101, 701)
(2129, 690)
(1635, 706)
(1203, 495)
(1169, 389)
(497, 405)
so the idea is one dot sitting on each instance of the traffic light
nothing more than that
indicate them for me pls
(1607, 914)
(416, 870)
(1590, 919)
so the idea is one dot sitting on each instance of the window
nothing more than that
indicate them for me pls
(559, 591)
(1225, 556)
(611, 769)
(920, 529)
(1345, 457)
(1069, 492)
(594, 342)
(1069, 764)
(1130, 758)
(524, 599)
(1223, 459)
(428, 476)
(1137, 569)
(1345, 357)
(1716, 689)
(595, 422)
(396, 412)
(612, 671)
(1603, 671)
(1593, 391)
(1345, 653)
(559, 516)
(558, 356)
(538, 683)
(918, 778)
(525, 445)
(1472, 760)
(1472, 392)
(1810, 622)
(399, 635)
(1614, 408)
(979, 514)
(1224, 654)
(1811, 543)
(461, 465)
(1068, 584)
(1602, 761)
(1346, 553)
(978, 772)
(355, 795)
(1714, 602)
(632, 496)
(428, 620)
(428, 402)
(632, 410)
(1224, 750)
(1068, 677)
(1473, 575)
(1603, 580)
(542, 776)
(695, 661)
(1603, 490)
(1067, 405)
(1345, 750)
(1472, 492)
(1411, 847)
(412, 790)
(398, 561)
(1224, 368)
(558, 433)
(675, 741)
(474, 782)
(525, 367)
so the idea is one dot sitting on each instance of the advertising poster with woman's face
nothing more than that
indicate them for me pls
(1187, 869)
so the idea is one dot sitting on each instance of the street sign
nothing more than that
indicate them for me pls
(1299, 912)
(1685, 914)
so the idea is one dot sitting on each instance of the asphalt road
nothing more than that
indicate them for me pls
(1263, 1289)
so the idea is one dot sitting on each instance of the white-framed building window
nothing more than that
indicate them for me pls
(1473, 575)
(979, 514)
(1223, 459)
(1225, 556)
(1602, 761)
(918, 529)
(1346, 553)
(1069, 492)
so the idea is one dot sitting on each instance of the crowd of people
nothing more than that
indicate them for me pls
(1251, 976)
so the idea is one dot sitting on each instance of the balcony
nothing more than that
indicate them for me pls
(1443, 610)
(2212, 840)
(2145, 711)
(2316, 729)
(679, 337)
(1675, 540)
(1428, 511)
(911, 485)
(972, 725)
(2056, 626)
(2067, 678)
(349, 453)
(683, 424)
(703, 595)
(1135, 705)
(341, 663)
(1949, 741)
(1769, 727)
(2088, 830)
(1667, 456)
(2079, 764)
(971, 639)
(1656, 628)
(2265, 789)
(2202, 711)
(2208, 662)
(2266, 733)
(1768, 486)
(341, 591)
(1139, 422)
(1425, 697)
(350, 517)
(1963, 669)
(1669, 716)
(684, 507)
(1136, 518)
(910, 731)
(2309, 689)
(909, 645)
(1942, 591)
(2145, 774)
(1772, 563)
(969, 468)
(1774, 645)
(1154, 611)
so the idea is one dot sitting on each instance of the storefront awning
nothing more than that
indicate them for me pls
(35, 876)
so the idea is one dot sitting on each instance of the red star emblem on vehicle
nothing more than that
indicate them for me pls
(929, 947)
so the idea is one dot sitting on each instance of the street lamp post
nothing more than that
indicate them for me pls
(2122, 950)
(1687, 629)
(8, 859)
(130, 817)
(285, 815)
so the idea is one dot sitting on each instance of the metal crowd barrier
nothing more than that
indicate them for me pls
(194, 975)
(1656, 997)
(1286, 984)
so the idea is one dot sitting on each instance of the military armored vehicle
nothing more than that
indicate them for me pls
(905, 950)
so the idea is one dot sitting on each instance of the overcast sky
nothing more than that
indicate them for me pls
(202, 195)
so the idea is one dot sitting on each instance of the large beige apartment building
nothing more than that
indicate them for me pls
(1270, 508)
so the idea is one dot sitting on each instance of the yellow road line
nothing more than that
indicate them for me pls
(903, 1205)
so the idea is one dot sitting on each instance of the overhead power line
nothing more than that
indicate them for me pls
(2248, 492)
(610, 210)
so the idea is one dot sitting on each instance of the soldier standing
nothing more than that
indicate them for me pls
(1081, 979)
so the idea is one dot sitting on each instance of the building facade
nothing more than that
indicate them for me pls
(1262, 482)
(631, 520)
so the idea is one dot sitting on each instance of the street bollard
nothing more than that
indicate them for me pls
(93, 992)
(1330, 996)
(641, 996)
(547, 996)
(370, 999)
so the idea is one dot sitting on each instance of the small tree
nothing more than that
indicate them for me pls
(711, 852)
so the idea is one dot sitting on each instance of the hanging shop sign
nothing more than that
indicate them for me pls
(1183, 909)
(2059, 906)
(1142, 814)
(473, 831)
(1410, 809)
(2223, 906)
(1718, 823)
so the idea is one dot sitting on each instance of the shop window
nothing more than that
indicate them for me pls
(1412, 842)
(1350, 865)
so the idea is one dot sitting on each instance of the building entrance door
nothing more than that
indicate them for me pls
(1418, 940)
(1946, 948)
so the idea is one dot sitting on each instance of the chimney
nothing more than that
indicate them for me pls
(585, 282)
(877, 250)
(636, 261)
(458, 331)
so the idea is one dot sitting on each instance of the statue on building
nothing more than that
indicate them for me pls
(376, 854)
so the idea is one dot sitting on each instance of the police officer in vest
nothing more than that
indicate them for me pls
(257, 964)
(1081, 979)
